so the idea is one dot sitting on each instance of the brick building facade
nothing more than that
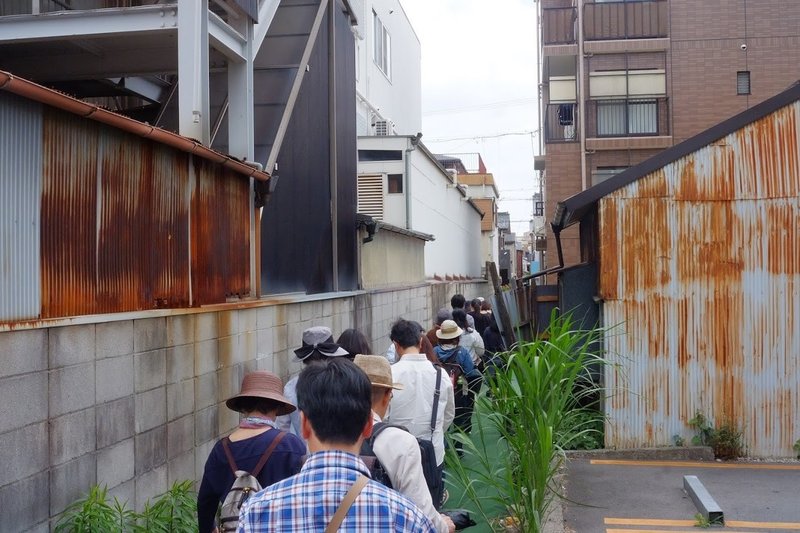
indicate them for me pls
(653, 73)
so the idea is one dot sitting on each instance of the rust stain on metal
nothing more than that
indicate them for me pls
(220, 235)
(116, 224)
(700, 263)
(609, 251)
(69, 199)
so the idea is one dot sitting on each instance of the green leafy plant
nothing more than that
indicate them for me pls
(93, 512)
(796, 448)
(701, 521)
(725, 440)
(175, 511)
(529, 413)
(678, 441)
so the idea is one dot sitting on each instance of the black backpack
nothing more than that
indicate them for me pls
(427, 453)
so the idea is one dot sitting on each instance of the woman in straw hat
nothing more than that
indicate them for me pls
(260, 401)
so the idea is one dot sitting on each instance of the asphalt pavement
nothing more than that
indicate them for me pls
(636, 496)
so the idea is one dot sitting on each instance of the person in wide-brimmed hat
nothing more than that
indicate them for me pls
(457, 360)
(260, 400)
(317, 345)
(396, 448)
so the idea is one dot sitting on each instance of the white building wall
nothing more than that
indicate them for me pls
(440, 209)
(397, 97)
(436, 208)
(489, 248)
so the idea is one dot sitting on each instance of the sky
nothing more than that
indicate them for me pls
(479, 89)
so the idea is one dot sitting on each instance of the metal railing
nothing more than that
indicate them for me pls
(561, 123)
(633, 117)
(640, 19)
(558, 25)
(28, 7)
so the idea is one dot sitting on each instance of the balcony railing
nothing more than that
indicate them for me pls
(561, 123)
(27, 7)
(640, 117)
(640, 19)
(558, 25)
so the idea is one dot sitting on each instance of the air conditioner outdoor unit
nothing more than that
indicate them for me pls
(384, 127)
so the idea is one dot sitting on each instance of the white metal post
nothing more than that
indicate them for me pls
(193, 86)
(240, 97)
(241, 126)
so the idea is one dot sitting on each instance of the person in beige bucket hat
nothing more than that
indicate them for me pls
(395, 448)
(255, 441)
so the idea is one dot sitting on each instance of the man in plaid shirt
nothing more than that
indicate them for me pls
(335, 402)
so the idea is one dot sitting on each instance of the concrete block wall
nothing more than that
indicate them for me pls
(137, 404)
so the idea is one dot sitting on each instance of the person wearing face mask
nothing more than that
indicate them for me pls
(455, 359)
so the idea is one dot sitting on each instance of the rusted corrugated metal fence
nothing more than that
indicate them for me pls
(126, 223)
(700, 274)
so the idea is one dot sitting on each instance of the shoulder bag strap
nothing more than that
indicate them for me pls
(436, 393)
(226, 447)
(376, 430)
(347, 502)
(277, 440)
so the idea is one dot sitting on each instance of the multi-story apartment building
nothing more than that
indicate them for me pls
(623, 80)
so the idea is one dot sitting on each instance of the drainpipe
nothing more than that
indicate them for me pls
(559, 251)
(581, 98)
(414, 141)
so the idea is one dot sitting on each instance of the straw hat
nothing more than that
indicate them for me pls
(449, 330)
(262, 384)
(378, 370)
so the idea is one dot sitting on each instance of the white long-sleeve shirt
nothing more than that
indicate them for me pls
(398, 452)
(290, 422)
(412, 406)
(474, 344)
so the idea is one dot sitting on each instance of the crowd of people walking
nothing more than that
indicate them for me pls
(356, 441)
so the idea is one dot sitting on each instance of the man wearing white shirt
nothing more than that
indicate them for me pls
(413, 406)
(396, 449)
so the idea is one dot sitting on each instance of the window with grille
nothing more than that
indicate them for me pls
(538, 209)
(627, 117)
(743, 82)
(382, 46)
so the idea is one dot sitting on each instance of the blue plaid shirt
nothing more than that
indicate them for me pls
(307, 501)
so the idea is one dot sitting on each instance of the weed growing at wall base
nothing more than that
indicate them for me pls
(725, 440)
(175, 511)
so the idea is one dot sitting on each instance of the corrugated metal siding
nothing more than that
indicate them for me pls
(69, 215)
(700, 273)
(220, 234)
(116, 230)
(20, 191)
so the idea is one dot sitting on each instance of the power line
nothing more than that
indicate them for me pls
(481, 137)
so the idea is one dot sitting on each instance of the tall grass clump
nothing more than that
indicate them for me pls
(527, 415)
(175, 511)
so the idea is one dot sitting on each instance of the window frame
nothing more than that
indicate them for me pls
(625, 118)
(744, 74)
(381, 46)
(398, 179)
